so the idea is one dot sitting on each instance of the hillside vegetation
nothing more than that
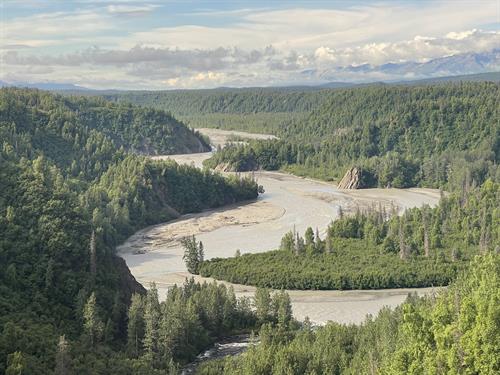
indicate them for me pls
(243, 101)
(455, 332)
(256, 110)
(422, 248)
(71, 188)
(433, 135)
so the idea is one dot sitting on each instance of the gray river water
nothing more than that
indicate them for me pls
(289, 202)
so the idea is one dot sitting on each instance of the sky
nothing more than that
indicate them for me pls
(203, 44)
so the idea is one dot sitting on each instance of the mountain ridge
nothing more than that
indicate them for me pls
(464, 66)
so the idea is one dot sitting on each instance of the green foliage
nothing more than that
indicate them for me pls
(70, 190)
(263, 305)
(353, 265)
(193, 254)
(424, 247)
(259, 122)
(255, 110)
(190, 319)
(92, 324)
(63, 358)
(227, 101)
(433, 135)
(455, 332)
(135, 325)
(151, 325)
(72, 187)
(83, 136)
(137, 192)
(459, 333)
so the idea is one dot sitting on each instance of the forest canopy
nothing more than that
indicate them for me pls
(75, 182)
(456, 331)
(73, 185)
(424, 247)
(400, 136)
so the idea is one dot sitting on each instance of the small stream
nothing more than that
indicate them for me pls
(230, 346)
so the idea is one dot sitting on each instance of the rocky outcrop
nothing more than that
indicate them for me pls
(128, 284)
(351, 180)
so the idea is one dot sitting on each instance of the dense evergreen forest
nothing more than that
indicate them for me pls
(455, 332)
(190, 319)
(261, 110)
(75, 182)
(256, 110)
(375, 249)
(432, 135)
(66, 123)
(429, 134)
(72, 186)
(242, 101)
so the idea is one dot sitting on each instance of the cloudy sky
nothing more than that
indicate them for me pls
(202, 44)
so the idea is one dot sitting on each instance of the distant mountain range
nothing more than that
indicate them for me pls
(483, 66)
(49, 86)
(461, 64)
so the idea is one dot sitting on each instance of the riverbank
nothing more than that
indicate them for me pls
(229, 346)
(289, 202)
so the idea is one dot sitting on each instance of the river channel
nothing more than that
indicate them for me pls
(289, 202)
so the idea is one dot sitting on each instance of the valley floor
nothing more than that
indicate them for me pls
(289, 202)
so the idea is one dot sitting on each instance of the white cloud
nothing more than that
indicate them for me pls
(131, 9)
(417, 49)
(47, 29)
(306, 29)
(90, 46)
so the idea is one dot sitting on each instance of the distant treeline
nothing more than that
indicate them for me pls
(255, 110)
(242, 101)
(441, 135)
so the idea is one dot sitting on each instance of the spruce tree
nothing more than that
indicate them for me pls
(283, 309)
(135, 325)
(193, 254)
(402, 243)
(262, 303)
(93, 256)
(151, 323)
(309, 241)
(92, 324)
(425, 226)
(318, 244)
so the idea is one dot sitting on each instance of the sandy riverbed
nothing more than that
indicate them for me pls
(217, 138)
(155, 254)
(220, 137)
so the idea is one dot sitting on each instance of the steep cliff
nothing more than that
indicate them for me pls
(351, 180)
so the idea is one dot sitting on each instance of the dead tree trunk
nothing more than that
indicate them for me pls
(426, 233)
(402, 245)
(93, 256)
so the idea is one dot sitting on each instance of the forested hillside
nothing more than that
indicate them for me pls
(74, 183)
(434, 135)
(256, 110)
(455, 332)
(377, 249)
(242, 101)
(64, 125)
(71, 189)
(189, 320)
